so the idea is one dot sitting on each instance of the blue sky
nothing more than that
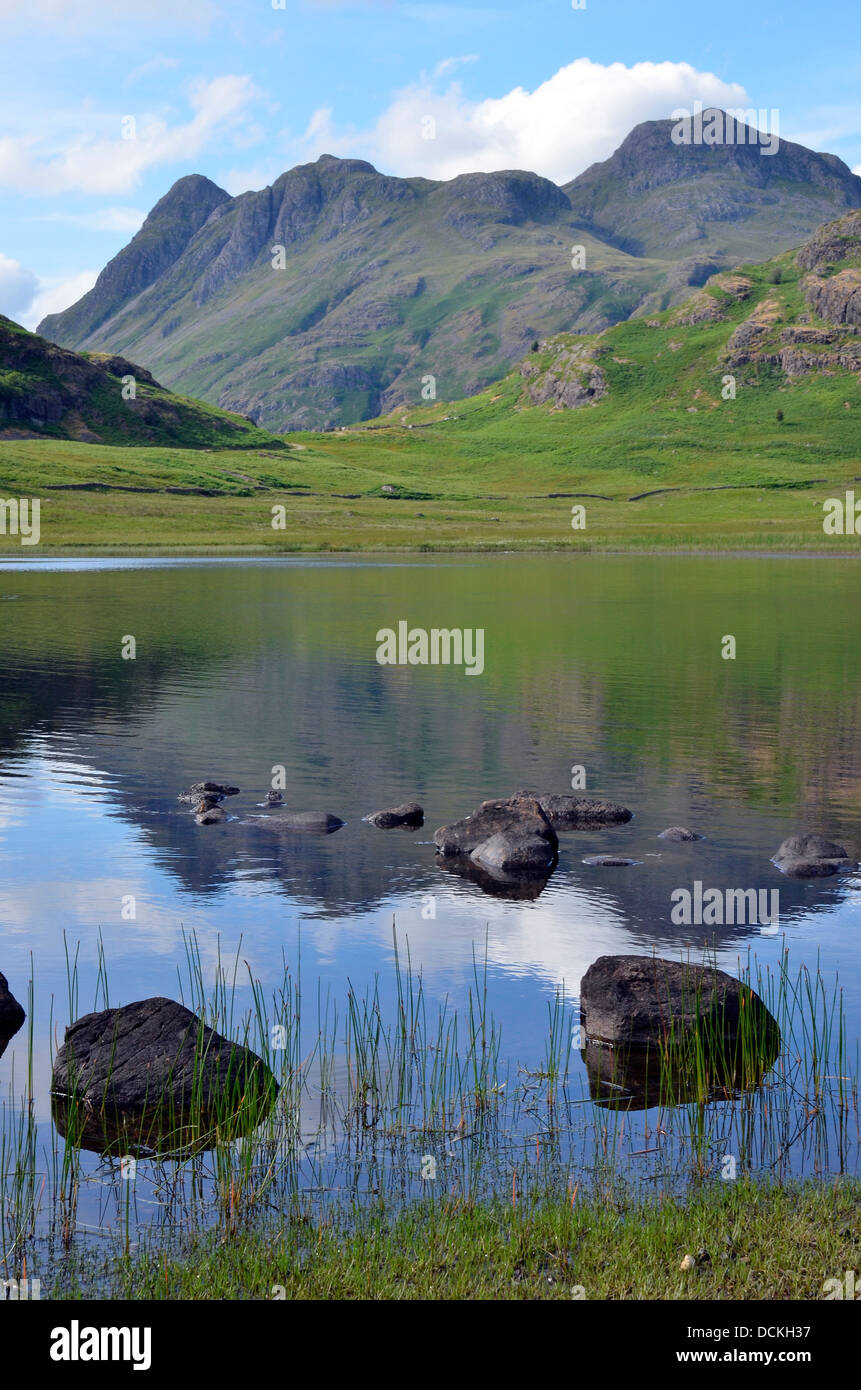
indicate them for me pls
(241, 90)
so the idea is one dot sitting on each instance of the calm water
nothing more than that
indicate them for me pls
(613, 663)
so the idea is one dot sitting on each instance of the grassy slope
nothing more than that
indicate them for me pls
(482, 479)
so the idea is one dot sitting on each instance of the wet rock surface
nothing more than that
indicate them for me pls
(637, 999)
(409, 813)
(811, 856)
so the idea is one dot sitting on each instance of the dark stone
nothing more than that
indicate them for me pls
(515, 887)
(410, 813)
(11, 1014)
(678, 834)
(275, 798)
(209, 813)
(518, 818)
(155, 1071)
(302, 822)
(212, 792)
(811, 856)
(637, 999)
(515, 854)
(608, 861)
(578, 812)
(626, 1077)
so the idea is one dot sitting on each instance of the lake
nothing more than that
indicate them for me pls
(612, 664)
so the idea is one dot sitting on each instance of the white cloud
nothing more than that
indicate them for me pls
(578, 116)
(53, 293)
(101, 219)
(157, 64)
(114, 164)
(18, 285)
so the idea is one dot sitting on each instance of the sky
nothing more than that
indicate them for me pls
(104, 105)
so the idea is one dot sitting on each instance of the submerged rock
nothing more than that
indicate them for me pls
(302, 822)
(578, 812)
(678, 834)
(153, 1075)
(12, 1015)
(275, 798)
(811, 856)
(639, 999)
(410, 813)
(608, 861)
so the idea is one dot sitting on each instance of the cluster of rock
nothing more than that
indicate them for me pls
(517, 838)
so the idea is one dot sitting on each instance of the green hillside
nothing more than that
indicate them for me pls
(637, 423)
(47, 392)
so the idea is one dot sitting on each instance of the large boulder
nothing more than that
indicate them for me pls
(156, 1065)
(11, 1014)
(644, 999)
(578, 812)
(514, 854)
(811, 856)
(410, 814)
(518, 818)
(510, 837)
(679, 834)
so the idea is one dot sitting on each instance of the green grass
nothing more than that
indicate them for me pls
(759, 1242)
(668, 462)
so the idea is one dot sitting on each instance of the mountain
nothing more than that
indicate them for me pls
(48, 391)
(733, 200)
(340, 294)
(779, 335)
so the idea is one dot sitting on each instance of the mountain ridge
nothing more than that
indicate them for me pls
(339, 293)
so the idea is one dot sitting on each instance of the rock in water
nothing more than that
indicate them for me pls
(208, 812)
(11, 1014)
(578, 812)
(410, 813)
(304, 822)
(209, 790)
(514, 854)
(811, 856)
(638, 999)
(275, 798)
(608, 861)
(678, 834)
(157, 1065)
(518, 818)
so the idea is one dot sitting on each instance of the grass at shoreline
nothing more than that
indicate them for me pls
(760, 1242)
(115, 500)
